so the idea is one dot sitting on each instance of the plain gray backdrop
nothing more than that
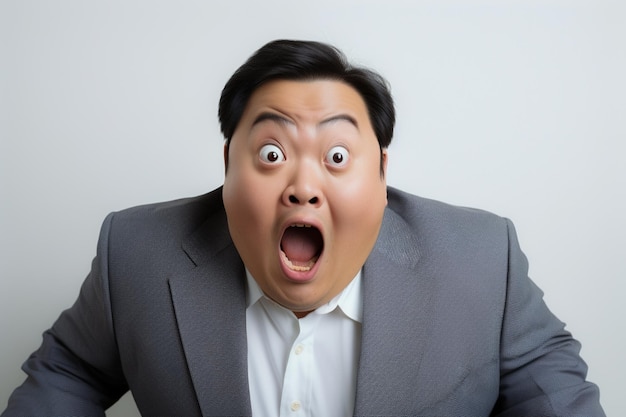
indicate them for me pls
(517, 107)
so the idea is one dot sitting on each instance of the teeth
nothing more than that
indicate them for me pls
(299, 268)
(300, 225)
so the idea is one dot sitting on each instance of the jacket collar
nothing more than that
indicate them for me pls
(209, 304)
(396, 321)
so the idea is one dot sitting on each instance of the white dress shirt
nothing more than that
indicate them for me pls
(303, 367)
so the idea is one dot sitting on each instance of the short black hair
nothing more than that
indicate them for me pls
(305, 60)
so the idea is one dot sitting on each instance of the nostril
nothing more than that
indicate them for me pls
(294, 200)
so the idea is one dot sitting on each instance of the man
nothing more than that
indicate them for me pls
(305, 286)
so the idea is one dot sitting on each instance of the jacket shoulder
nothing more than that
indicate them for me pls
(184, 212)
(419, 212)
(158, 231)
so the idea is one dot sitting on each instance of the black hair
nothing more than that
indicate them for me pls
(305, 60)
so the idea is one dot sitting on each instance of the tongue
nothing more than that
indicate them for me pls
(301, 244)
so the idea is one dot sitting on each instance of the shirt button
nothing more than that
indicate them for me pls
(295, 406)
(299, 349)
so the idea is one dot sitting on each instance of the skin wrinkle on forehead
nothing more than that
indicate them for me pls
(282, 120)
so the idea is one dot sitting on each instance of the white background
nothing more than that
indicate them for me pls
(517, 107)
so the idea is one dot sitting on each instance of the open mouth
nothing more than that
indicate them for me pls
(301, 246)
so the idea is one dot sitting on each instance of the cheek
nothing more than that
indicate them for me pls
(358, 203)
(249, 198)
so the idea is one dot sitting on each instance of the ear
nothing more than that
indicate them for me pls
(226, 157)
(383, 163)
(383, 170)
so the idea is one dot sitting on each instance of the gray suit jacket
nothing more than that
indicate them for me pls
(452, 325)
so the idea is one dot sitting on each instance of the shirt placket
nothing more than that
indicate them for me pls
(299, 373)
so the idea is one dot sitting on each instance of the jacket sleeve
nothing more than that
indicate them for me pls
(541, 371)
(77, 370)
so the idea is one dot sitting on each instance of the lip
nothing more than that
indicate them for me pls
(300, 276)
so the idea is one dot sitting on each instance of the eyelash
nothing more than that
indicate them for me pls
(337, 151)
(271, 154)
(337, 157)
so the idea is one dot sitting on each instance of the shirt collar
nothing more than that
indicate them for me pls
(350, 300)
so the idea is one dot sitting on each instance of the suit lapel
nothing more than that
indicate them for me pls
(396, 322)
(210, 306)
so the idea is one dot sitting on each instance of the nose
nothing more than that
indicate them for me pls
(304, 187)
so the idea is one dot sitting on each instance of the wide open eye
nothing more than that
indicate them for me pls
(271, 154)
(337, 156)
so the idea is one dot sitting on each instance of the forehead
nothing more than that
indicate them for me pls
(304, 101)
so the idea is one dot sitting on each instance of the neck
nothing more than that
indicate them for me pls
(301, 314)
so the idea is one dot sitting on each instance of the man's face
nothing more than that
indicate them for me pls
(303, 192)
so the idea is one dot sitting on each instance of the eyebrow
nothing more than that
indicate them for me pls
(282, 120)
